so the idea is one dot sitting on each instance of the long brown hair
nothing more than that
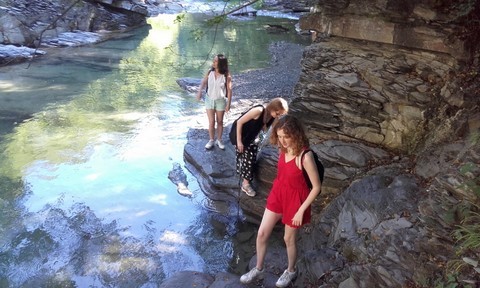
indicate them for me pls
(222, 64)
(292, 127)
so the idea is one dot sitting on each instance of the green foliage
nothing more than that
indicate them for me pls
(468, 233)
(216, 20)
(467, 236)
(451, 282)
(197, 34)
(471, 184)
(475, 137)
(179, 18)
(259, 4)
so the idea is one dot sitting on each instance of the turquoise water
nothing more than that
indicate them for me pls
(90, 137)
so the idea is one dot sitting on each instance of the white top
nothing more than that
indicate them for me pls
(216, 86)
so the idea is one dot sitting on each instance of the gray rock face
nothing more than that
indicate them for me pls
(372, 92)
(39, 24)
(29, 23)
(418, 25)
(387, 112)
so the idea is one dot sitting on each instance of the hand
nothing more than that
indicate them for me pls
(297, 219)
(240, 147)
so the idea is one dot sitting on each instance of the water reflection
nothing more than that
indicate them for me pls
(84, 191)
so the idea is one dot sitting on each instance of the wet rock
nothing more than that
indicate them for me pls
(75, 38)
(272, 28)
(179, 178)
(11, 54)
(224, 279)
(397, 155)
(38, 24)
(395, 158)
(28, 23)
(189, 84)
(188, 279)
(215, 169)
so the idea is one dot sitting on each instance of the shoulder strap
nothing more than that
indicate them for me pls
(302, 155)
(226, 86)
(206, 84)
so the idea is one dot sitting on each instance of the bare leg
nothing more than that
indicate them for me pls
(269, 220)
(211, 123)
(290, 238)
(220, 124)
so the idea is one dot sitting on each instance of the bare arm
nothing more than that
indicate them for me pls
(202, 86)
(309, 165)
(229, 93)
(254, 113)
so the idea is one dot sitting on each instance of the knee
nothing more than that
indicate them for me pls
(220, 122)
(289, 240)
(262, 236)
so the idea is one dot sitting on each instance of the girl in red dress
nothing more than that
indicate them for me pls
(290, 198)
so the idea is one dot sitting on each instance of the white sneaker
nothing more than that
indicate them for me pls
(209, 144)
(285, 279)
(250, 275)
(220, 144)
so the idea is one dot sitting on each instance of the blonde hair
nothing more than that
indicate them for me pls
(276, 104)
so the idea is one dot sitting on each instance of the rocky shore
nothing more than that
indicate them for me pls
(389, 94)
(29, 27)
(396, 126)
(217, 176)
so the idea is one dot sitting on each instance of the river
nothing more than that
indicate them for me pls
(88, 136)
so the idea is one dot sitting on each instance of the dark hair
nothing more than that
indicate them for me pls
(292, 127)
(222, 64)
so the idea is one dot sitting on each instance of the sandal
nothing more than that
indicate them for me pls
(248, 190)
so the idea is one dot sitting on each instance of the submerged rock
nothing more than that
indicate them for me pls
(11, 54)
(178, 177)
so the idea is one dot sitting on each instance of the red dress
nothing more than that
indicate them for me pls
(288, 192)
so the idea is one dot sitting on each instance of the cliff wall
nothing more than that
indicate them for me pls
(389, 93)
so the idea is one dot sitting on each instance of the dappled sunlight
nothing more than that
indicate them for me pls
(129, 116)
(118, 189)
(116, 209)
(230, 34)
(147, 140)
(158, 199)
(165, 30)
(173, 237)
(92, 177)
(143, 213)
(12, 87)
(7, 85)
(171, 241)
(167, 248)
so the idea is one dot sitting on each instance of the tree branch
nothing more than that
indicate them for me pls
(50, 26)
(239, 7)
